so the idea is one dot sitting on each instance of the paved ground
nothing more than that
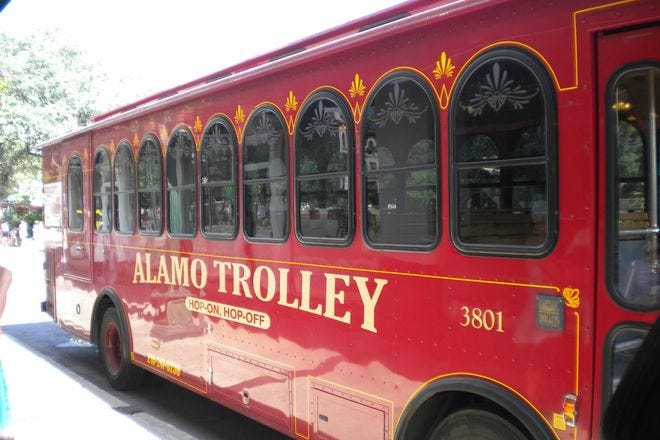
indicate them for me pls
(57, 389)
(46, 402)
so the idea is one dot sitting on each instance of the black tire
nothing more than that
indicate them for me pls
(475, 424)
(115, 354)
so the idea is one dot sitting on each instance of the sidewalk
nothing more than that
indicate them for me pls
(46, 403)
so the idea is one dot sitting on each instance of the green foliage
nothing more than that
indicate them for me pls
(46, 90)
(14, 214)
(30, 218)
(631, 166)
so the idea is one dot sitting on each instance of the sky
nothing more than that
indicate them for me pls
(153, 45)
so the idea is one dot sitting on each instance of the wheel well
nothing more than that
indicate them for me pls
(442, 397)
(440, 405)
(103, 303)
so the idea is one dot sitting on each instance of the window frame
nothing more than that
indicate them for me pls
(149, 232)
(99, 151)
(181, 188)
(116, 193)
(286, 178)
(233, 182)
(611, 197)
(68, 194)
(428, 90)
(549, 95)
(349, 173)
(608, 356)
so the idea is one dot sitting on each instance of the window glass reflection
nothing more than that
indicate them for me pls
(218, 183)
(181, 181)
(150, 196)
(501, 156)
(75, 194)
(102, 192)
(124, 194)
(399, 150)
(266, 211)
(323, 151)
(634, 121)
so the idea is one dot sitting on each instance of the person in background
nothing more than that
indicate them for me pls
(5, 416)
(5, 233)
(15, 236)
(23, 230)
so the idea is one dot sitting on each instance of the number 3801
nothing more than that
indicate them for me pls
(482, 319)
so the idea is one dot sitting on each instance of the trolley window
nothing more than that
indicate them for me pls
(218, 180)
(150, 192)
(102, 192)
(400, 165)
(634, 103)
(503, 133)
(75, 194)
(324, 152)
(124, 193)
(181, 181)
(265, 168)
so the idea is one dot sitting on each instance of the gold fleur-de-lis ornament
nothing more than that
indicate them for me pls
(443, 67)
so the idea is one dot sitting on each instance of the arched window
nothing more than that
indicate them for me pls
(400, 165)
(75, 194)
(102, 192)
(265, 168)
(324, 161)
(124, 194)
(503, 149)
(218, 180)
(150, 186)
(181, 181)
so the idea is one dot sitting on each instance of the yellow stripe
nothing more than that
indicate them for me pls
(343, 268)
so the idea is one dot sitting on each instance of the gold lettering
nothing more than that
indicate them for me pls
(222, 275)
(262, 282)
(198, 273)
(284, 290)
(163, 276)
(138, 270)
(241, 276)
(147, 262)
(270, 286)
(179, 271)
(369, 301)
(332, 296)
(306, 293)
(163, 364)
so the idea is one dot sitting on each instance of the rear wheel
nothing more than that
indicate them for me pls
(474, 424)
(115, 354)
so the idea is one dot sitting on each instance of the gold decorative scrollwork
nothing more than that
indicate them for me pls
(197, 129)
(239, 119)
(291, 102)
(291, 107)
(571, 297)
(444, 69)
(356, 91)
(163, 133)
(239, 116)
(198, 125)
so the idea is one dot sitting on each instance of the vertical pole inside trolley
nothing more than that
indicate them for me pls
(653, 173)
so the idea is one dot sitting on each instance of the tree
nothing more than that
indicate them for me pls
(46, 90)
